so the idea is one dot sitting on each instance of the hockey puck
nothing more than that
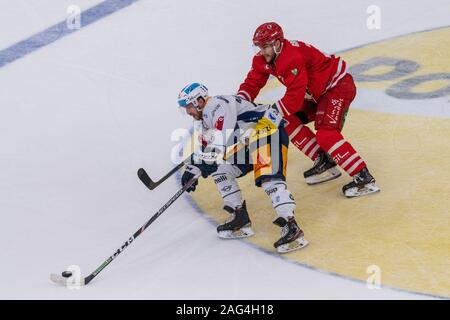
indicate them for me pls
(66, 274)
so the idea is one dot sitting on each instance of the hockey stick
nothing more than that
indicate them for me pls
(65, 277)
(149, 183)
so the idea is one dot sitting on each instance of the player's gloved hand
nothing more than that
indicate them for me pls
(190, 172)
(196, 169)
(273, 117)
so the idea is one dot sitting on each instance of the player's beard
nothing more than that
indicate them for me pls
(270, 59)
(199, 115)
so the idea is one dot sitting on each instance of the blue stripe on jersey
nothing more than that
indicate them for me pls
(250, 116)
(223, 99)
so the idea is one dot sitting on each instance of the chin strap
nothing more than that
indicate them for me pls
(275, 50)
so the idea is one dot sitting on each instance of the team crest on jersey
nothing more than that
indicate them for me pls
(294, 71)
(219, 123)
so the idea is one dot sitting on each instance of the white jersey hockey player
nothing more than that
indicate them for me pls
(250, 137)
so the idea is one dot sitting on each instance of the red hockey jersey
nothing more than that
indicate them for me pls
(306, 72)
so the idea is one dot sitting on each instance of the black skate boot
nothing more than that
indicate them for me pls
(324, 169)
(363, 184)
(291, 235)
(239, 224)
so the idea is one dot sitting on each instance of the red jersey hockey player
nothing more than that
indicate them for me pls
(318, 89)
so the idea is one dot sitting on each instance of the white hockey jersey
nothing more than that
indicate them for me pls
(227, 118)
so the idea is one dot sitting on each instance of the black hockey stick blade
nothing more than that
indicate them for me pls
(149, 183)
(143, 176)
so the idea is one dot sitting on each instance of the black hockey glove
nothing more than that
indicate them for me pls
(302, 116)
(192, 170)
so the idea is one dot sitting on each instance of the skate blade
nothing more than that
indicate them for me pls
(241, 233)
(364, 191)
(330, 174)
(297, 244)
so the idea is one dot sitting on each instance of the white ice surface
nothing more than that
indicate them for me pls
(80, 116)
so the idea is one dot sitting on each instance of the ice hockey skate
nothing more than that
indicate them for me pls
(324, 169)
(237, 226)
(363, 184)
(292, 237)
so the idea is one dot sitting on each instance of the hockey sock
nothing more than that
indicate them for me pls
(225, 180)
(340, 150)
(282, 200)
(305, 140)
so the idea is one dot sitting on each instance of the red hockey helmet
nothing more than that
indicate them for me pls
(267, 33)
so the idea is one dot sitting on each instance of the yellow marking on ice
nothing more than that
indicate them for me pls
(379, 70)
(271, 84)
(404, 229)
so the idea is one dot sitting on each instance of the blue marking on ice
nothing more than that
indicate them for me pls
(60, 30)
